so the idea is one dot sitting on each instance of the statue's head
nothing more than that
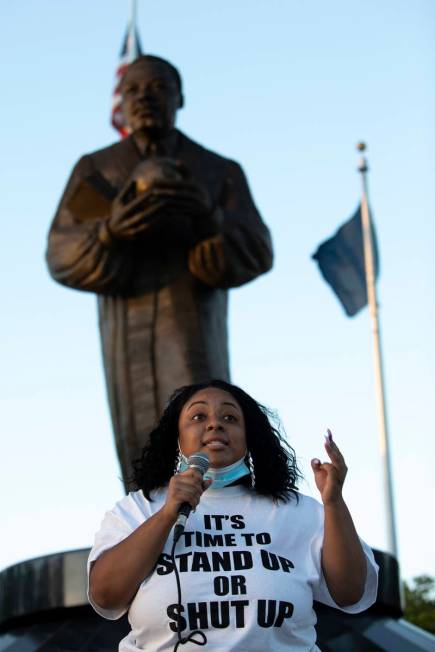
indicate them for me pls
(151, 94)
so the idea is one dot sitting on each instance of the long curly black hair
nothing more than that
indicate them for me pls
(274, 461)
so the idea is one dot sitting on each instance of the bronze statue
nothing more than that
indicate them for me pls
(159, 228)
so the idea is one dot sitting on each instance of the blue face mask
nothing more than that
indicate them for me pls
(221, 477)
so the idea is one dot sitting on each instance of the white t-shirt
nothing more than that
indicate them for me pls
(249, 571)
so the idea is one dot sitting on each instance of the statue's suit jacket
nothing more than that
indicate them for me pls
(162, 298)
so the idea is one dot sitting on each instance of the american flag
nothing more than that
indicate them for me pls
(131, 50)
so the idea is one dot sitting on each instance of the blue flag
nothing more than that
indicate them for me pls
(341, 263)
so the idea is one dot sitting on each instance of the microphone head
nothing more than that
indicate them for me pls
(200, 462)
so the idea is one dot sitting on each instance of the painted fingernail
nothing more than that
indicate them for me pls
(328, 435)
(316, 461)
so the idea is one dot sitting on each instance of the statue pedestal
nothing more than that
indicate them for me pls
(43, 607)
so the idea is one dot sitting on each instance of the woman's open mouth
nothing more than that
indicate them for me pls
(216, 445)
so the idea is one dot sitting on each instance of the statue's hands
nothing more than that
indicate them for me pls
(183, 197)
(186, 487)
(189, 201)
(158, 189)
(330, 476)
(132, 214)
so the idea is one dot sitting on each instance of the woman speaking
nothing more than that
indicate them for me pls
(254, 552)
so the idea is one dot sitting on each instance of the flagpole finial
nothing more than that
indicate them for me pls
(363, 166)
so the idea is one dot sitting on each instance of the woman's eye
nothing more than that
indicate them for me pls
(198, 417)
(230, 417)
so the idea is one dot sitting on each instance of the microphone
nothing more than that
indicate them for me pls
(199, 462)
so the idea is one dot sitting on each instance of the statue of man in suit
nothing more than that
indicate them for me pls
(159, 228)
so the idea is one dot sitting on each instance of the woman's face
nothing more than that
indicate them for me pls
(212, 422)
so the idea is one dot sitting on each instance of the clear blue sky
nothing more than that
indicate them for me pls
(287, 88)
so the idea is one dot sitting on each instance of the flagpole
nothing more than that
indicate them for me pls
(379, 370)
(132, 14)
(132, 31)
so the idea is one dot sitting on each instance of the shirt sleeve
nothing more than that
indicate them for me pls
(320, 588)
(117, 524)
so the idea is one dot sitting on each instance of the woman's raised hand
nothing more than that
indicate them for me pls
(330, 476)
(186, 487)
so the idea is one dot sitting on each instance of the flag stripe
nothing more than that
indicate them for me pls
(131, 49)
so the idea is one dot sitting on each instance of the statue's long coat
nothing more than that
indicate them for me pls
(162, 299)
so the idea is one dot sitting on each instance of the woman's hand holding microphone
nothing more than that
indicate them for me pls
(186, 487)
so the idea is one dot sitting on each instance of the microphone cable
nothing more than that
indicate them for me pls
(200, 462)
(183, 640)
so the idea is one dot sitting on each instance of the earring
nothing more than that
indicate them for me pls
(251, 469)
(177, 462)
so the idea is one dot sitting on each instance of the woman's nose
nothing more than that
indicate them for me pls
(214, 425)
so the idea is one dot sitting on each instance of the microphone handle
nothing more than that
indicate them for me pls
(183, 513)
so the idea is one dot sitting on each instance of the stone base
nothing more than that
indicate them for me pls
(63, 630)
